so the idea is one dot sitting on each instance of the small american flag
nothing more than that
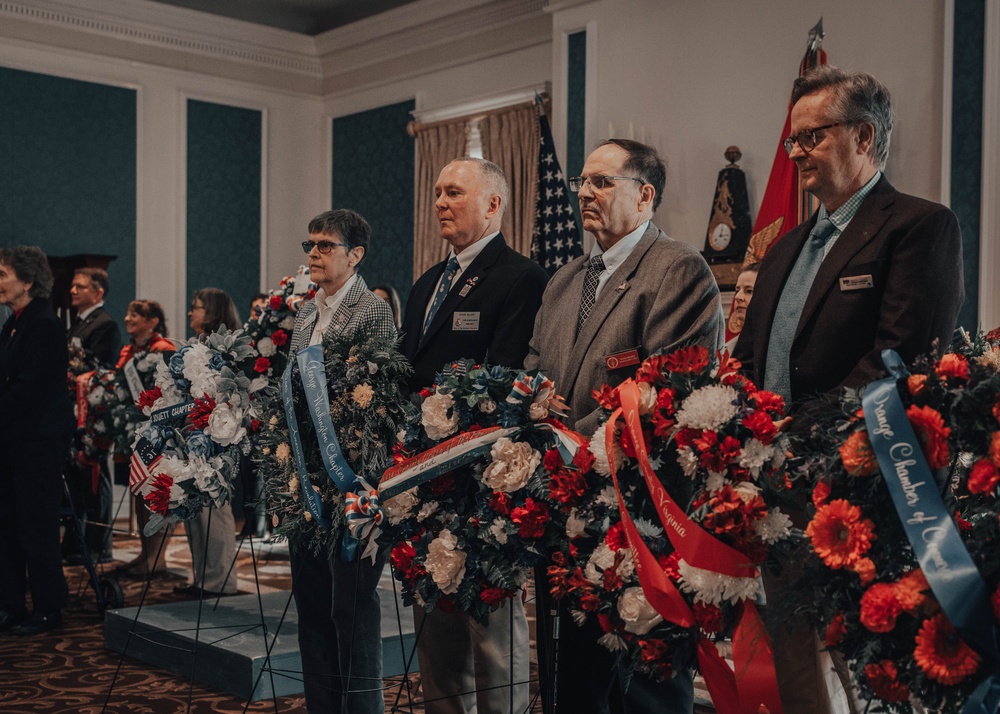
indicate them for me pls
(145, 457)
(556, 239)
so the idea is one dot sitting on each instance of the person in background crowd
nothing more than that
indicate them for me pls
(389, 294)
(480, 304)
(146, 325)
(257, 305)
(211, 533)
(638, 292)
(741, 299)
(36, 424)
(340, 614)
(872, 269)
(94, 331)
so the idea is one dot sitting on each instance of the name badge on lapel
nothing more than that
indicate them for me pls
(76, 342)
(465, 321)
(628, 358)
(856, 282)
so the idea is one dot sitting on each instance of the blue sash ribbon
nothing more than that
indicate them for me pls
(319, 510)
(171, 415)
(312, 368)
(947, 565)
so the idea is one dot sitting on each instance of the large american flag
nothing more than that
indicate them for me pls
(556, 239)
(144, 459)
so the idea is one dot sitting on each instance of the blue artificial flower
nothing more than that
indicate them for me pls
(199, 444)
(176, 363)
(216, 361)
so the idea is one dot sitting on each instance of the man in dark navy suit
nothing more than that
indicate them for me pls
(872, 269)
(479, 303)
(96, 333)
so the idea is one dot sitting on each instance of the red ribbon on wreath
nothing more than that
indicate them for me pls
(753, 686)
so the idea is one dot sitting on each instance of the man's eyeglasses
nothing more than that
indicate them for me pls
(323, 246)
(597, 182)
(806, 139)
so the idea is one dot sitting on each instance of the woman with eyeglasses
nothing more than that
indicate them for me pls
(213, 549)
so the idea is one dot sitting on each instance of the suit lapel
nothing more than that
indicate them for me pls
(466, 285)
(309, 313)
(565, 326)
(345, 311)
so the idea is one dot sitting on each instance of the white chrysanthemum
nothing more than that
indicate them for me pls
(600, 452)
(714, 588)
(773, 527)
(401, 506)
(203, 378)
(608, 497)
(990, 359)
(579, 617)
(499, 531)
(708, 408)
(688, 461)
(714, 482)
(575, 525)
(754, 455)
(612, 641)
(647, 528)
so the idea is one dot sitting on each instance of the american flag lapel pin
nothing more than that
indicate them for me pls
(469, 284)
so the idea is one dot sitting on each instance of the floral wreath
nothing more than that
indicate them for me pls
(703, 442)
(469, 494)
(270, 328)
(366, 408)
(863, 584)
(201, 412)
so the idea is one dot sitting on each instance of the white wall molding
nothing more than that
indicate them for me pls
(989, 224)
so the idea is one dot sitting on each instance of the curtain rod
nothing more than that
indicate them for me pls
(414, 127)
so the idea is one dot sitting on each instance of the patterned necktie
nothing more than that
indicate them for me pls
(590, 281)
(442, 291)
(786, 318)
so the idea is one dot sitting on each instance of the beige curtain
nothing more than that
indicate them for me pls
(510, 139)
(437, 144)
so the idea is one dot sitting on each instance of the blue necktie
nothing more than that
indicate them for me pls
(786, 318)
(590, 281)
(442, 291)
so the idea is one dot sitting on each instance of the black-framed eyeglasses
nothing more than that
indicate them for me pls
(323, 246)
(598, 181)
(806, 139)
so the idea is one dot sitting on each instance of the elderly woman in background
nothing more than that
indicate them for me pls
(146, 325)
(389, 294)
(213, 550)
(36, 424)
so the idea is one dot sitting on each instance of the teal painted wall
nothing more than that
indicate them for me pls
(576, 111)
(967, 145)
(373, 168)
(223, 200)
(68, 171)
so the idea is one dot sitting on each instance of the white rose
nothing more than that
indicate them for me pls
(435, 416)
(538, 411)
(639, 616)
(401, 506)
(445, 562)
(513, 464)
(225, 425)
(266, 347)
(647, 398)
(602, 557)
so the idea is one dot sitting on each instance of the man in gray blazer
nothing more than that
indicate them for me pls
(638, 292)
(340, 635)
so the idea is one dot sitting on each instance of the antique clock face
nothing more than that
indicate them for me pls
(721, 236)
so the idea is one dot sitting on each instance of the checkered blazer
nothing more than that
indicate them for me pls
(362, 314)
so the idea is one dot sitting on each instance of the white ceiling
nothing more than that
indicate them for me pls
(309, 17)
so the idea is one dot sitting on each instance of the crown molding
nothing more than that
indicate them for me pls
(153, 33)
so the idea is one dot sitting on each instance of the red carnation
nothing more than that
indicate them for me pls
(159, 498)
(835, 630)
(821, 492)
(607, 397)
(708, 617)
(933, 435)
(770, 402)
(531, 518)
(616, 538)
(984, 477)
(653, 650)
(202, 410)
(953, 366)
(500, 503)
(880, 607)
(276, 302)
(279, 338)
(148, 397)
(567, 486)
(883, 679)
(553, 460)
(402, 557)
(494, 596)
(688, 360)
(261, 365)
(760, 425)
(584, 460)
